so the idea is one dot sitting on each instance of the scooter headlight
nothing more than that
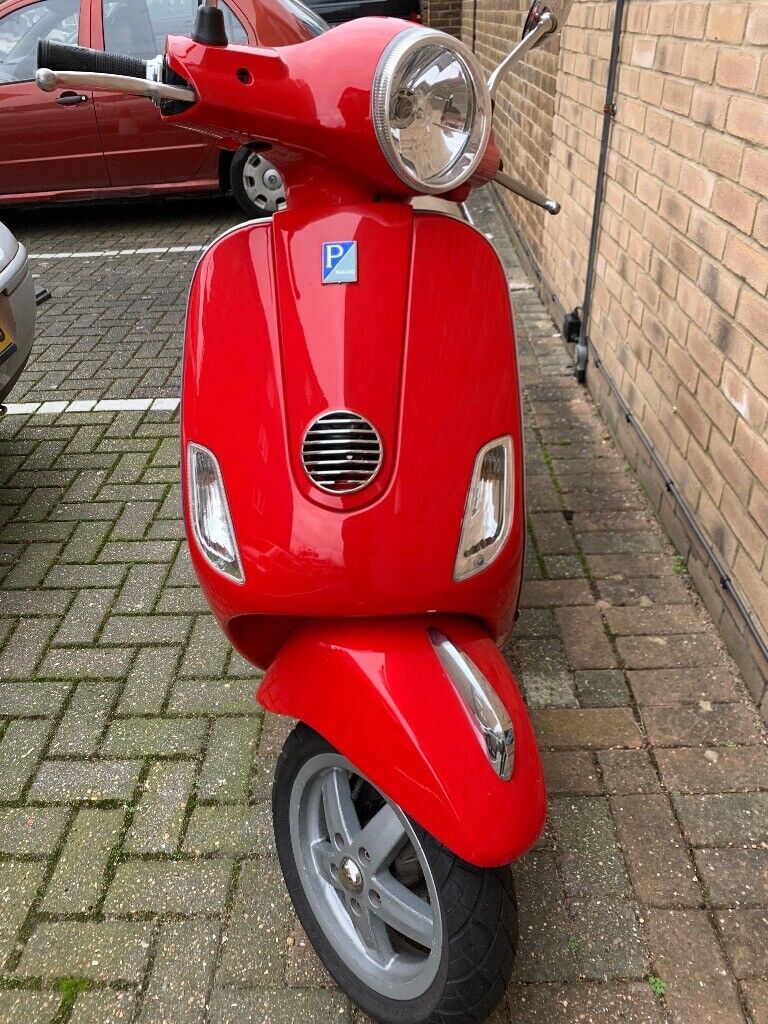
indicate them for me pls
(431, 110)
(211, 522)
(488, 511)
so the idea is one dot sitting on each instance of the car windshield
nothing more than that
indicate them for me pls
(20, 30)
(314, 24)
(139, 28)
(285, 22)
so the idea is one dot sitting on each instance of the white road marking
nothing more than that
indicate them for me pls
(92, 405)
(116, 252)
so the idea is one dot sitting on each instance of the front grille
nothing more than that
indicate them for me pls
(341, 452)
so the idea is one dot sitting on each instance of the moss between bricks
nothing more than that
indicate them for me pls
(70, 989)
(658, 985)
(679, 565)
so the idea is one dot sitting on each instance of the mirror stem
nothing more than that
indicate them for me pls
(550, 205)
(547, 24)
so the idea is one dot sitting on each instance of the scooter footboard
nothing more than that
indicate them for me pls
(379, 692)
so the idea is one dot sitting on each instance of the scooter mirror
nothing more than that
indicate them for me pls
(539, 23)
(532, 19)
(559, 9)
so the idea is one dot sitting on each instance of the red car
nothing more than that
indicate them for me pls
(84, 145)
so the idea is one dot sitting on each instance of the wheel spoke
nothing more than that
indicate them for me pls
(323, 854)
(404, 911)
(372, 932)
(340, 814)
(382, 838)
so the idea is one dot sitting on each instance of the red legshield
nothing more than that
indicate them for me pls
(269, 347)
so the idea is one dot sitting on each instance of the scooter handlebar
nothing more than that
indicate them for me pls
(77, 67)
(62, 57)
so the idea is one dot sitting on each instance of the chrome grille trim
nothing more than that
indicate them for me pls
(341, 452)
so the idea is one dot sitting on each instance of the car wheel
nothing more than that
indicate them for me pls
(413, 934)
(256, 184)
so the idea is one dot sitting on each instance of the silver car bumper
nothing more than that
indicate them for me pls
(17, 311)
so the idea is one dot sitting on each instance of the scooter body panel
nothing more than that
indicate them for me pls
(270, 347)
(376, 690)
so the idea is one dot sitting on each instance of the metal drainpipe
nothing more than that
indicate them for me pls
(609, 112)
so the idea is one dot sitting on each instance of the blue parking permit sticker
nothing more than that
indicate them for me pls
(339, 262)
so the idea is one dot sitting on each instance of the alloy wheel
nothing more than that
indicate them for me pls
(366, 878)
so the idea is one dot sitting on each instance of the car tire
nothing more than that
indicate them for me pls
(257, 185)
(459, 973)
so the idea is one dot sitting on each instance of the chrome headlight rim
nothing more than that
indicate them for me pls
(395, 53)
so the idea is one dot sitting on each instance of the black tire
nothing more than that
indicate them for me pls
(254, 201)
(478, 911)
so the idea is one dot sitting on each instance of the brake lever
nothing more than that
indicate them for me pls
(49, 81)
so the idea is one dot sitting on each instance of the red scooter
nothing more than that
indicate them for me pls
(353, 484)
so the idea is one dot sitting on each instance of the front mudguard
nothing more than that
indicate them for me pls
(376, 691)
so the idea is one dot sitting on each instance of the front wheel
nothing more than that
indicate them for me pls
(413, 934)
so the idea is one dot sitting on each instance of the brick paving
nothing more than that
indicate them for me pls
(114, 329)
(138, 883)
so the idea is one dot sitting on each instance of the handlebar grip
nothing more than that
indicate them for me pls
(62, 57)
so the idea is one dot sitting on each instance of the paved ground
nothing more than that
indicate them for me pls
(116, 326)
(137, 877)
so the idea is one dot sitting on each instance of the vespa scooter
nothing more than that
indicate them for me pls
(353, 486)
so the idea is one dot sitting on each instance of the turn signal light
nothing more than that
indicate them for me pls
(211, 521)
(483, 706)
(488, 511)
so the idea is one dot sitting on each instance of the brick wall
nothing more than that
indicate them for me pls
(442, 14)
(680, 316)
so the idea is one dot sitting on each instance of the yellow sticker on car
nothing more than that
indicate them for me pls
(6, 339)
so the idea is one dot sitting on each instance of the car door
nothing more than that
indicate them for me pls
(141, 148)
(49, 142)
